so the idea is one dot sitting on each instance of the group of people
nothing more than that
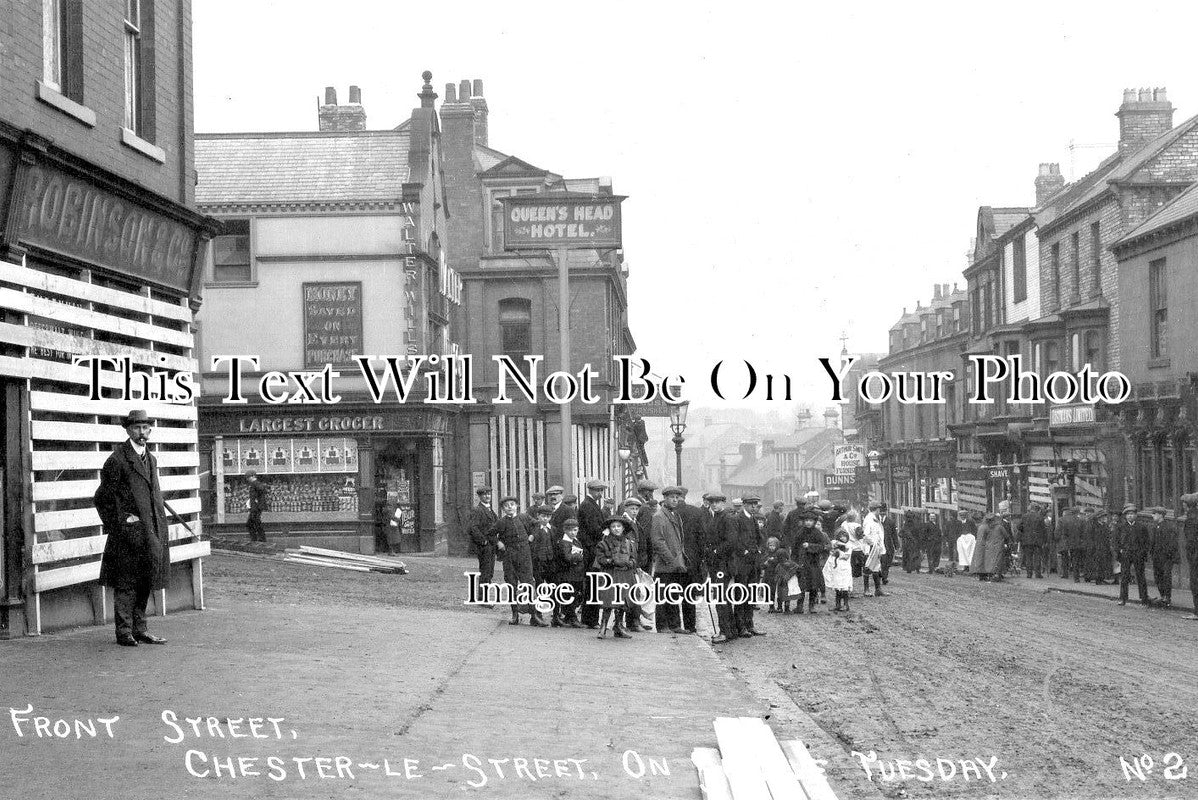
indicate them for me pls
(666, 541)
(1085, 544)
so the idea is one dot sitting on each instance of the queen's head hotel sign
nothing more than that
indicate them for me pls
(562, 220)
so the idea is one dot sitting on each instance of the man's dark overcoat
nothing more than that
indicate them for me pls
(134, 550)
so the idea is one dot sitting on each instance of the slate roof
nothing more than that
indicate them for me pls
(303, 167)
(764, 469)
(1007, 218)
(1183, 206)
(1117, 167)
(757, 474)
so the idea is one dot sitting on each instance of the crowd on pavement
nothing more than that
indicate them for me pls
(663, 541)
(1086, 544)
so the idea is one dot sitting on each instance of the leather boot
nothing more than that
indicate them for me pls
(515, 617)
(878, 586)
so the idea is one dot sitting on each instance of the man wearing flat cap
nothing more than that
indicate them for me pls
(136, 558)
(481, 530)
(669, 556)
(644, 518)
(590, 532)
(1189, 530)
(1164, 554)
(1133, 542)
(739, 540)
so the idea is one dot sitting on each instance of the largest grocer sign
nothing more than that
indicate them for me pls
(576, 222)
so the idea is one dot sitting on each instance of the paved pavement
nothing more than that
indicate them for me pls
(395, 702)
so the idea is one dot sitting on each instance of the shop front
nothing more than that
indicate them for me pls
(358, 477)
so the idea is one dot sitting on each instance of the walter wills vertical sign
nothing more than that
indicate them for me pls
(332, 323)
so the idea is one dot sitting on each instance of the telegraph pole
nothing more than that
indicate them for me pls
(563, 320)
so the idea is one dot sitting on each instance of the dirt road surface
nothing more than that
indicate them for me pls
(1021, 693)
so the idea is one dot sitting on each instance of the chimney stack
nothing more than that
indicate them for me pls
(1144, 115)
(748, 453)
(349, 117)
(464, 103)
(1048, 182)
(936, 292)
(479, 104)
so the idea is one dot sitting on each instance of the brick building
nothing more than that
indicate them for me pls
(917, 452)
(339, 232)
(1158, 290)
(99, 247)
(512, 300)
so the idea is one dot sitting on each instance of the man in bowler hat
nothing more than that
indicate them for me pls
(136, 557)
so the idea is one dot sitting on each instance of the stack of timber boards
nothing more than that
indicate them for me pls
(751, 764)
(337, 559)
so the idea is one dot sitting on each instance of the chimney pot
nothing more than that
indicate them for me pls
(451, 93)
(464, 91)
(1144, 115)
(478, 88)
(330, 96)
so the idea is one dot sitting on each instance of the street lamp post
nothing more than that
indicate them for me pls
(678, 426)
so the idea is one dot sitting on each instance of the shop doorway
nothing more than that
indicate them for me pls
(397, 506)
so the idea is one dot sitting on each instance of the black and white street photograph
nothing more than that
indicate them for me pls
(522, 401)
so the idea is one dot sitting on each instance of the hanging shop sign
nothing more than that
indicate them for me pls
(576, 221)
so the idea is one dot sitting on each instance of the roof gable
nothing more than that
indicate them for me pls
(513, 167)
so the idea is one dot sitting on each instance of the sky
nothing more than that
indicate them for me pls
(793, 174)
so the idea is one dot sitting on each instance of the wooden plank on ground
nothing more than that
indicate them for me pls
(377, 561)
(712, 781)
(781, 779)
(315, 562)
(810, 774)
(740, 762)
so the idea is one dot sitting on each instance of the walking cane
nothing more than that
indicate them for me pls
(178, 519)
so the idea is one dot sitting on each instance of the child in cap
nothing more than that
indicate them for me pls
(778, 568)
(615, 555)
(571, 569)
